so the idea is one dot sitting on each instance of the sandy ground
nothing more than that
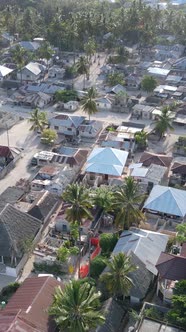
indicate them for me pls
(21, 137)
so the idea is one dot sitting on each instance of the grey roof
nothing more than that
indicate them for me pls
(141, 278)
(114, 317)
(67, 120)
(167, 200)
(44, 206)
(146, 245)
(10, 195)
(29, 46)
(15, 226)
(154, 326)
(42, 87)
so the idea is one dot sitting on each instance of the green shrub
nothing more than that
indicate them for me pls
(43, 267)
(66, 95)
(108, 242)
(154, 313)
(7, 292)
(97, 266)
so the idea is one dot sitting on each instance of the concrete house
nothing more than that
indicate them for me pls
(144, 248)
(142, 111)
(90, 129)
(15, 228)
(5, 73)
(104, 103)
(33, 71)
(171, 268)
(27, 310)
(66, 124)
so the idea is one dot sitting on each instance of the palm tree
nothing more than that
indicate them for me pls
(79, 199)
(45, 51)
(116, 279)
(163, 122)
(19, 57)
(82, 68)
(88, 103)
(76, 307)
(38, 120)
(104, 198)
(141, 139)
(127, 199)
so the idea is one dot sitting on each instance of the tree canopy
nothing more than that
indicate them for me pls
(148, 83)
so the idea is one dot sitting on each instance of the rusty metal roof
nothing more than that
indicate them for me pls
(28, 307)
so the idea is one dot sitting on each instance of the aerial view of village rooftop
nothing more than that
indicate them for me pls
(92, 166)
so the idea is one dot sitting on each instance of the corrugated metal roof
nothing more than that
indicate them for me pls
(32, 301)
(146, 245)
(171, 267)
(167, 200)
(106, 161)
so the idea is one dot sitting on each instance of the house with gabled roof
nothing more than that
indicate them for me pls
(31, 72)
(28, 308)
(171, 268)
(167, 201)
(149, 158)
(16, 227)
(66, 124)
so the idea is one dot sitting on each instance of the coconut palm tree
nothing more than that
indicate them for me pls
(80, 204)
(45, 51)
(116, 279)
(19, 57)
(38, 120)
(127, 200)
(104, 198)
(163, 122)
(88, 103)
(76, 307)
(141, 139)
(82, 68)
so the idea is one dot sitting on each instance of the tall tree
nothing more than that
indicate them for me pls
(104, 198)
(19, 57)
(80, 204)
(116, 279)
(141, 139)
(82, 68)
(90, 48)
(76, 307)
(45, 51)
(38, 120)
(164, 122)
(127, 200)
(148, 83)
(88, 103)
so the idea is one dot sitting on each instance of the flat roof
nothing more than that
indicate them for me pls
(158, 71)
(154, 326)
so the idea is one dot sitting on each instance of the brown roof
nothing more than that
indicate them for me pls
(171, 267)
(28, 307)
(148, 158)
(179, 168)
(4, 151)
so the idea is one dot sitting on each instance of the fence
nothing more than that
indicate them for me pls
(84, 270)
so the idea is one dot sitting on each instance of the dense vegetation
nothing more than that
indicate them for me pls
(69, 24)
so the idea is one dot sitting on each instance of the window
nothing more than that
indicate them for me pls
(56, 127)
(28, 76)
(69, 129)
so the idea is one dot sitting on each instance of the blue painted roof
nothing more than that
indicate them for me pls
(167, 200)
(106, 161)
